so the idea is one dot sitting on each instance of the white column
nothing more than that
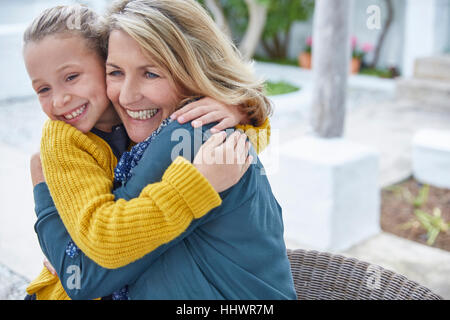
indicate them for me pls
(328, 191)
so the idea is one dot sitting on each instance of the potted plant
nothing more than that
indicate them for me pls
(304, 58)
(358, 54)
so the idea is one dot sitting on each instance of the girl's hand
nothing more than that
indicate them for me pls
(207, 110)
(49, 267)
(223, 163)
(37, 176)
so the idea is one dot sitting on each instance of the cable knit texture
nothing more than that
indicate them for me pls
(79, 171)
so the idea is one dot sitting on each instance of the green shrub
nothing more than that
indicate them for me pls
(280, 87)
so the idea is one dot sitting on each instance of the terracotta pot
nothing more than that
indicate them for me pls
(304, 60)
(355, 65)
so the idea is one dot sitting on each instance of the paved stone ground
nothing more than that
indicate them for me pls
(12, 285)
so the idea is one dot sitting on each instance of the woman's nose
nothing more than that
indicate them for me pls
(129, 93)
(61, 100)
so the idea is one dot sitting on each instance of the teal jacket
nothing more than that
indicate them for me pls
(236, 251)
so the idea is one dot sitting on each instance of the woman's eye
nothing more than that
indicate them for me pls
(71, 77)
(151, 75)
(114, 73)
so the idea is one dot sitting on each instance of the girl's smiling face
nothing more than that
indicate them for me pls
(140, 91)
(69, 79)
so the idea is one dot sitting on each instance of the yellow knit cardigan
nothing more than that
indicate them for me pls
(79, 171)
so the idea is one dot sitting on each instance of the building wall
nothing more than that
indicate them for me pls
(392, 49)
(419, 28)
(391, 54)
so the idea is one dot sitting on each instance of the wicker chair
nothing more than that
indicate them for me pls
(325, 276)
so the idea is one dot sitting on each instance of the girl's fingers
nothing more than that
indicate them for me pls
(224, 124)
(209, 117)
(186, 108)
(207, 102)
(193, 114)
(49, 267)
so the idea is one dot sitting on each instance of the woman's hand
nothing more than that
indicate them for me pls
(207, 110)
(37, 176)
(223, 163)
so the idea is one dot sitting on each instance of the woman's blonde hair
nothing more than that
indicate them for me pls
(68, 20)
(182, 38)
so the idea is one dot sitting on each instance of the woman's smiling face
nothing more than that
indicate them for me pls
(140, 91)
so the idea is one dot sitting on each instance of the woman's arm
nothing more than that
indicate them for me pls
(208, 110)
(94, 281)
(78, 170)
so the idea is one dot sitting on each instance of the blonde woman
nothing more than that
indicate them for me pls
(161, 54)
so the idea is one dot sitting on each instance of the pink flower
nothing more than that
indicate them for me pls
(354, 41)
(367, 47)
(309, 41)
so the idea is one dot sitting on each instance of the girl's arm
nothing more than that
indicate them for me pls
(79, 171)
(208, 110)
(94, 280)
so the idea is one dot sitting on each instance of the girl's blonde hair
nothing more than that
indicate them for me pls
(182, 38)
(68, 20)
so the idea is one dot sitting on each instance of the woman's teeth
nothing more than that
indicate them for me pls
(142, 114)
(75, 113)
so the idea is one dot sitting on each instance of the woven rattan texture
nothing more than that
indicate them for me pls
(325, 276)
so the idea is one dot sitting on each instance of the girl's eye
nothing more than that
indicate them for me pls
(114, 73)
(151, 75)
(43, 90)
(71, 77)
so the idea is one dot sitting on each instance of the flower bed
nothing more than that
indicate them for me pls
(400, 204)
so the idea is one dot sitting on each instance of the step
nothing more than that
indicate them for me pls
(418, 262)
(428, 91)
(437, 68)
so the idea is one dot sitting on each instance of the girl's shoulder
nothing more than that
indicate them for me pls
(60, 138)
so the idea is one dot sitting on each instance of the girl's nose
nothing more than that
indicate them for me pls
(61, 101)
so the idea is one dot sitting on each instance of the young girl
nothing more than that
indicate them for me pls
(66, 65)
(160, 53)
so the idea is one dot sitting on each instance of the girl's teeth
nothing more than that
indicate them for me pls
(142, 114)
(75, 113)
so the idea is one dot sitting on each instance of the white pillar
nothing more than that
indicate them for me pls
(328, 191)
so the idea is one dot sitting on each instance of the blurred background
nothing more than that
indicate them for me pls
(395, 85)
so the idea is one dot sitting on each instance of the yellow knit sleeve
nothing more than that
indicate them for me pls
(78, 169)
(258, 136)
(47, 287)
